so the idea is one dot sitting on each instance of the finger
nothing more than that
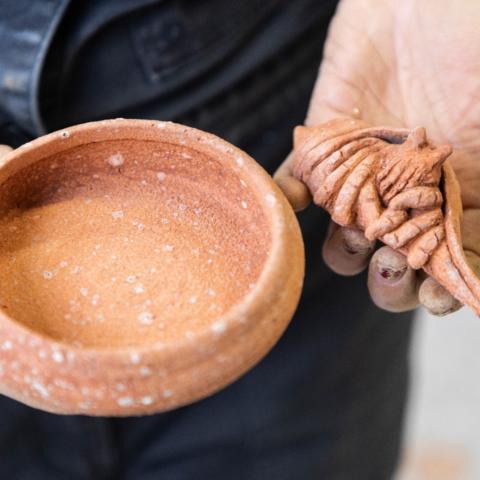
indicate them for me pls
(345, 250)
(296, 192)
(436, 299)
(391, 282)
(4, 149)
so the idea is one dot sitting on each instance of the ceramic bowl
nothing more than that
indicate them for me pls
(144, 265)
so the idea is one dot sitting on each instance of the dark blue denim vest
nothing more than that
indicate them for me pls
(26, 31)
(64, 62)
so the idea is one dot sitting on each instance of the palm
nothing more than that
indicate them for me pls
(410, 63)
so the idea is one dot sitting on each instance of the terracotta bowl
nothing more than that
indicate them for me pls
(143, 265)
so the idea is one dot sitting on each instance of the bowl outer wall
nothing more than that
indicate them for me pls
(61, 378)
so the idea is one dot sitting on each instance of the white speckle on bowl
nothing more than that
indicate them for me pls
(168, 248)
(145, 318)
(239, 161)
(271, 200)
(244, 204)
(161, 176)
(192, 300)
(7, 345)
(117, 214)
(47, 275)
(145, 371)
(120, 387)
(218, 327)
(57, 356)
(139, 288)
(61, 383)
(116, 160)
(84, 291)
(131, 279)
(147, 400)
(40, 388)
(95, 299)
(167, 393)
(135, 358)
(125, 402)
(211, 292)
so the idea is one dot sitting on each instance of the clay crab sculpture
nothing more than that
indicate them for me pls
(396, 186)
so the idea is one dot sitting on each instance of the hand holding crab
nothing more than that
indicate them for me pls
(394, 184)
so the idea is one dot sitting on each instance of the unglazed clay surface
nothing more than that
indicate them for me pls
(144, 265)
(127, 243)
(396, 186)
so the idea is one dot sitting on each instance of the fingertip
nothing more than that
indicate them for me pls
(346, 251)
(296, 192)
(4, 149)
(391, 282)
(436, 299)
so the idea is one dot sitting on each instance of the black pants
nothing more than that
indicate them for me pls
(327, 402)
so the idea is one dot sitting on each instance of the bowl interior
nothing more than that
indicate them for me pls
(127, 243)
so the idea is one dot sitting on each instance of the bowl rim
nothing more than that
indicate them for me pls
(233, 321)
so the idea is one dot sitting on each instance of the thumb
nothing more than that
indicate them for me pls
(296, 191)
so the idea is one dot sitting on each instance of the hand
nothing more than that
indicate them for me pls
(406, 64)
(4, 149)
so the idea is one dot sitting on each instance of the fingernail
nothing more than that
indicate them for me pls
(390, 265)
(354, 244)
(445, 313)
(354, 250)
(391, 273)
